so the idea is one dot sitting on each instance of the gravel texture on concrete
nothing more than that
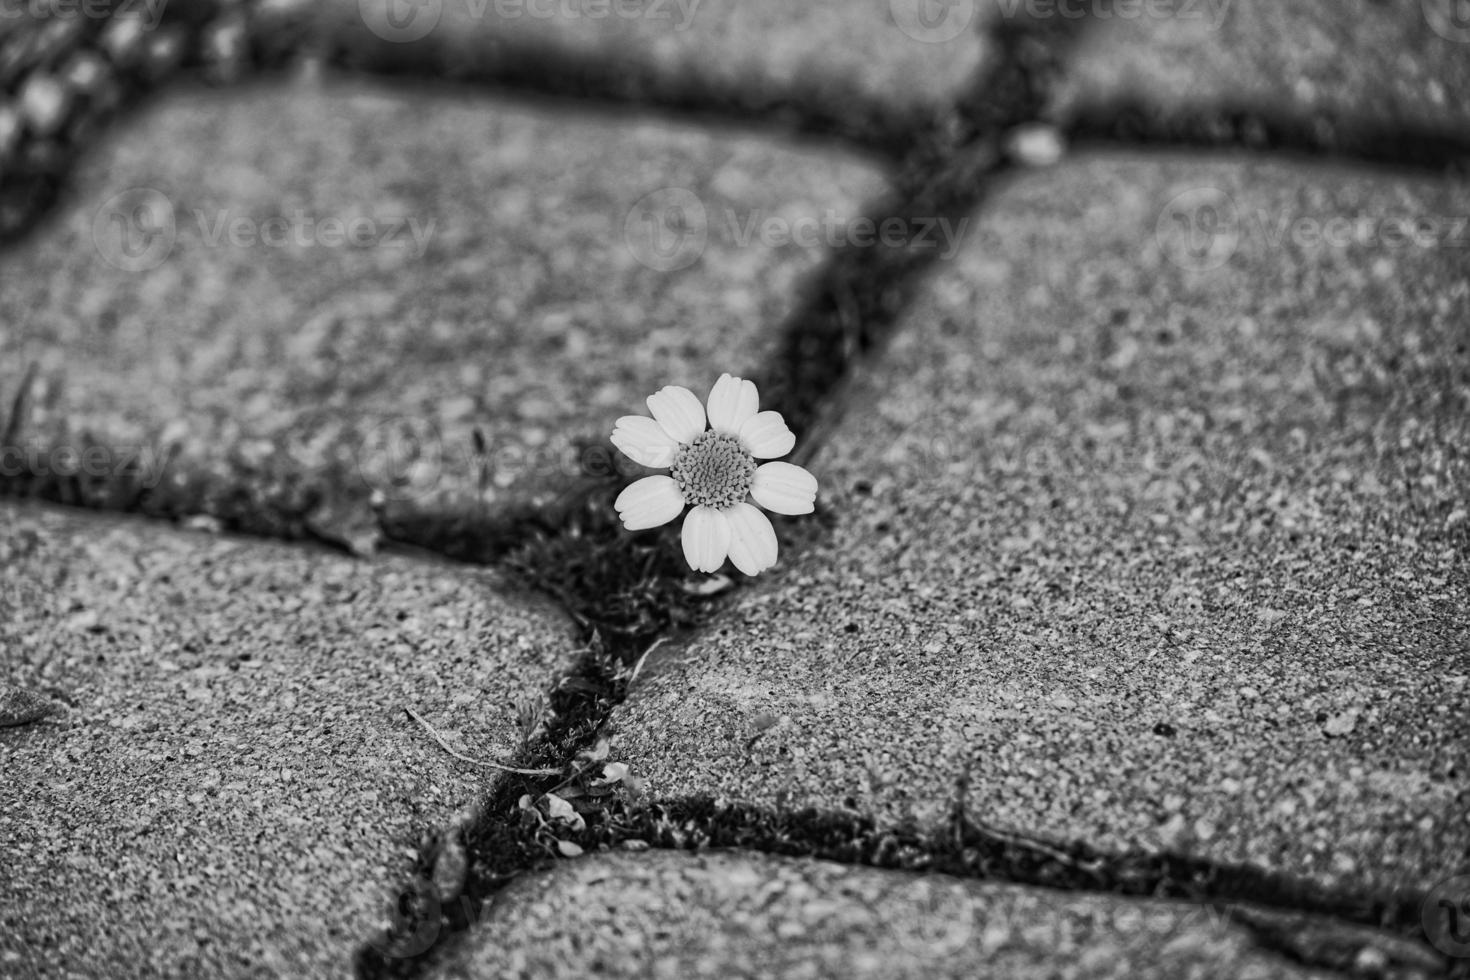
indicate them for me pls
(1162, 558)
(1359, 60)
(21, 707)
(519, 304)
(722, 914)
(879, 50)
(1389, 61)
(232, 787)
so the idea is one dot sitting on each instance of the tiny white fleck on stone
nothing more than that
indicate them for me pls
(1036, 145)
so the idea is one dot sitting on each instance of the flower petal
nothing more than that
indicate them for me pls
(752, 539)
(784, 488)
(732, 403)
(679, 412)
(765, 436)
(650, 502)
(706, 538)
(645, 442)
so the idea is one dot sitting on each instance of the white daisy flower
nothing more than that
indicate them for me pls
(714, 471)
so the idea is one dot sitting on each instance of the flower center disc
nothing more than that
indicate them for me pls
(713, 471)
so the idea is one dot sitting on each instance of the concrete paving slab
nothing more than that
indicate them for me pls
(525, 273)
(1358, 60)
(897, 52)
(1164, 553)
(721, 914)
(231, 786)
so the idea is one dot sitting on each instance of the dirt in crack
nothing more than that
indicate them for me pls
(625, 591)
(1256, 899)
(629, 591)
(1263, 129)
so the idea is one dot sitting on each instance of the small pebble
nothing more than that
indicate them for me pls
(1370, 960)
(43, 103)
(20, 707)
(86, 72)
(451, 866)
(123, 40)
(164, 53)
(9, 130)
(1036, 145)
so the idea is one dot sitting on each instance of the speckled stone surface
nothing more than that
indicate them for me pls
(720, 914)
(1164, 557)
(888, 51)
(215, 305)
(1357, 60)
(231, 787)
(1153, 522)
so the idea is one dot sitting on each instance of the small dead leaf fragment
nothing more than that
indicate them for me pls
(347, 522)
(598, 752)
(568, 849)
(450, 866)
(713, 585)
(20, 707)
(560, 810)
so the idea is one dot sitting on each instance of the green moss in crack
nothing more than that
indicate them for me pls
(630, 588)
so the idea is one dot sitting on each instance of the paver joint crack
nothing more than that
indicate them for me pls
(626, 592)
